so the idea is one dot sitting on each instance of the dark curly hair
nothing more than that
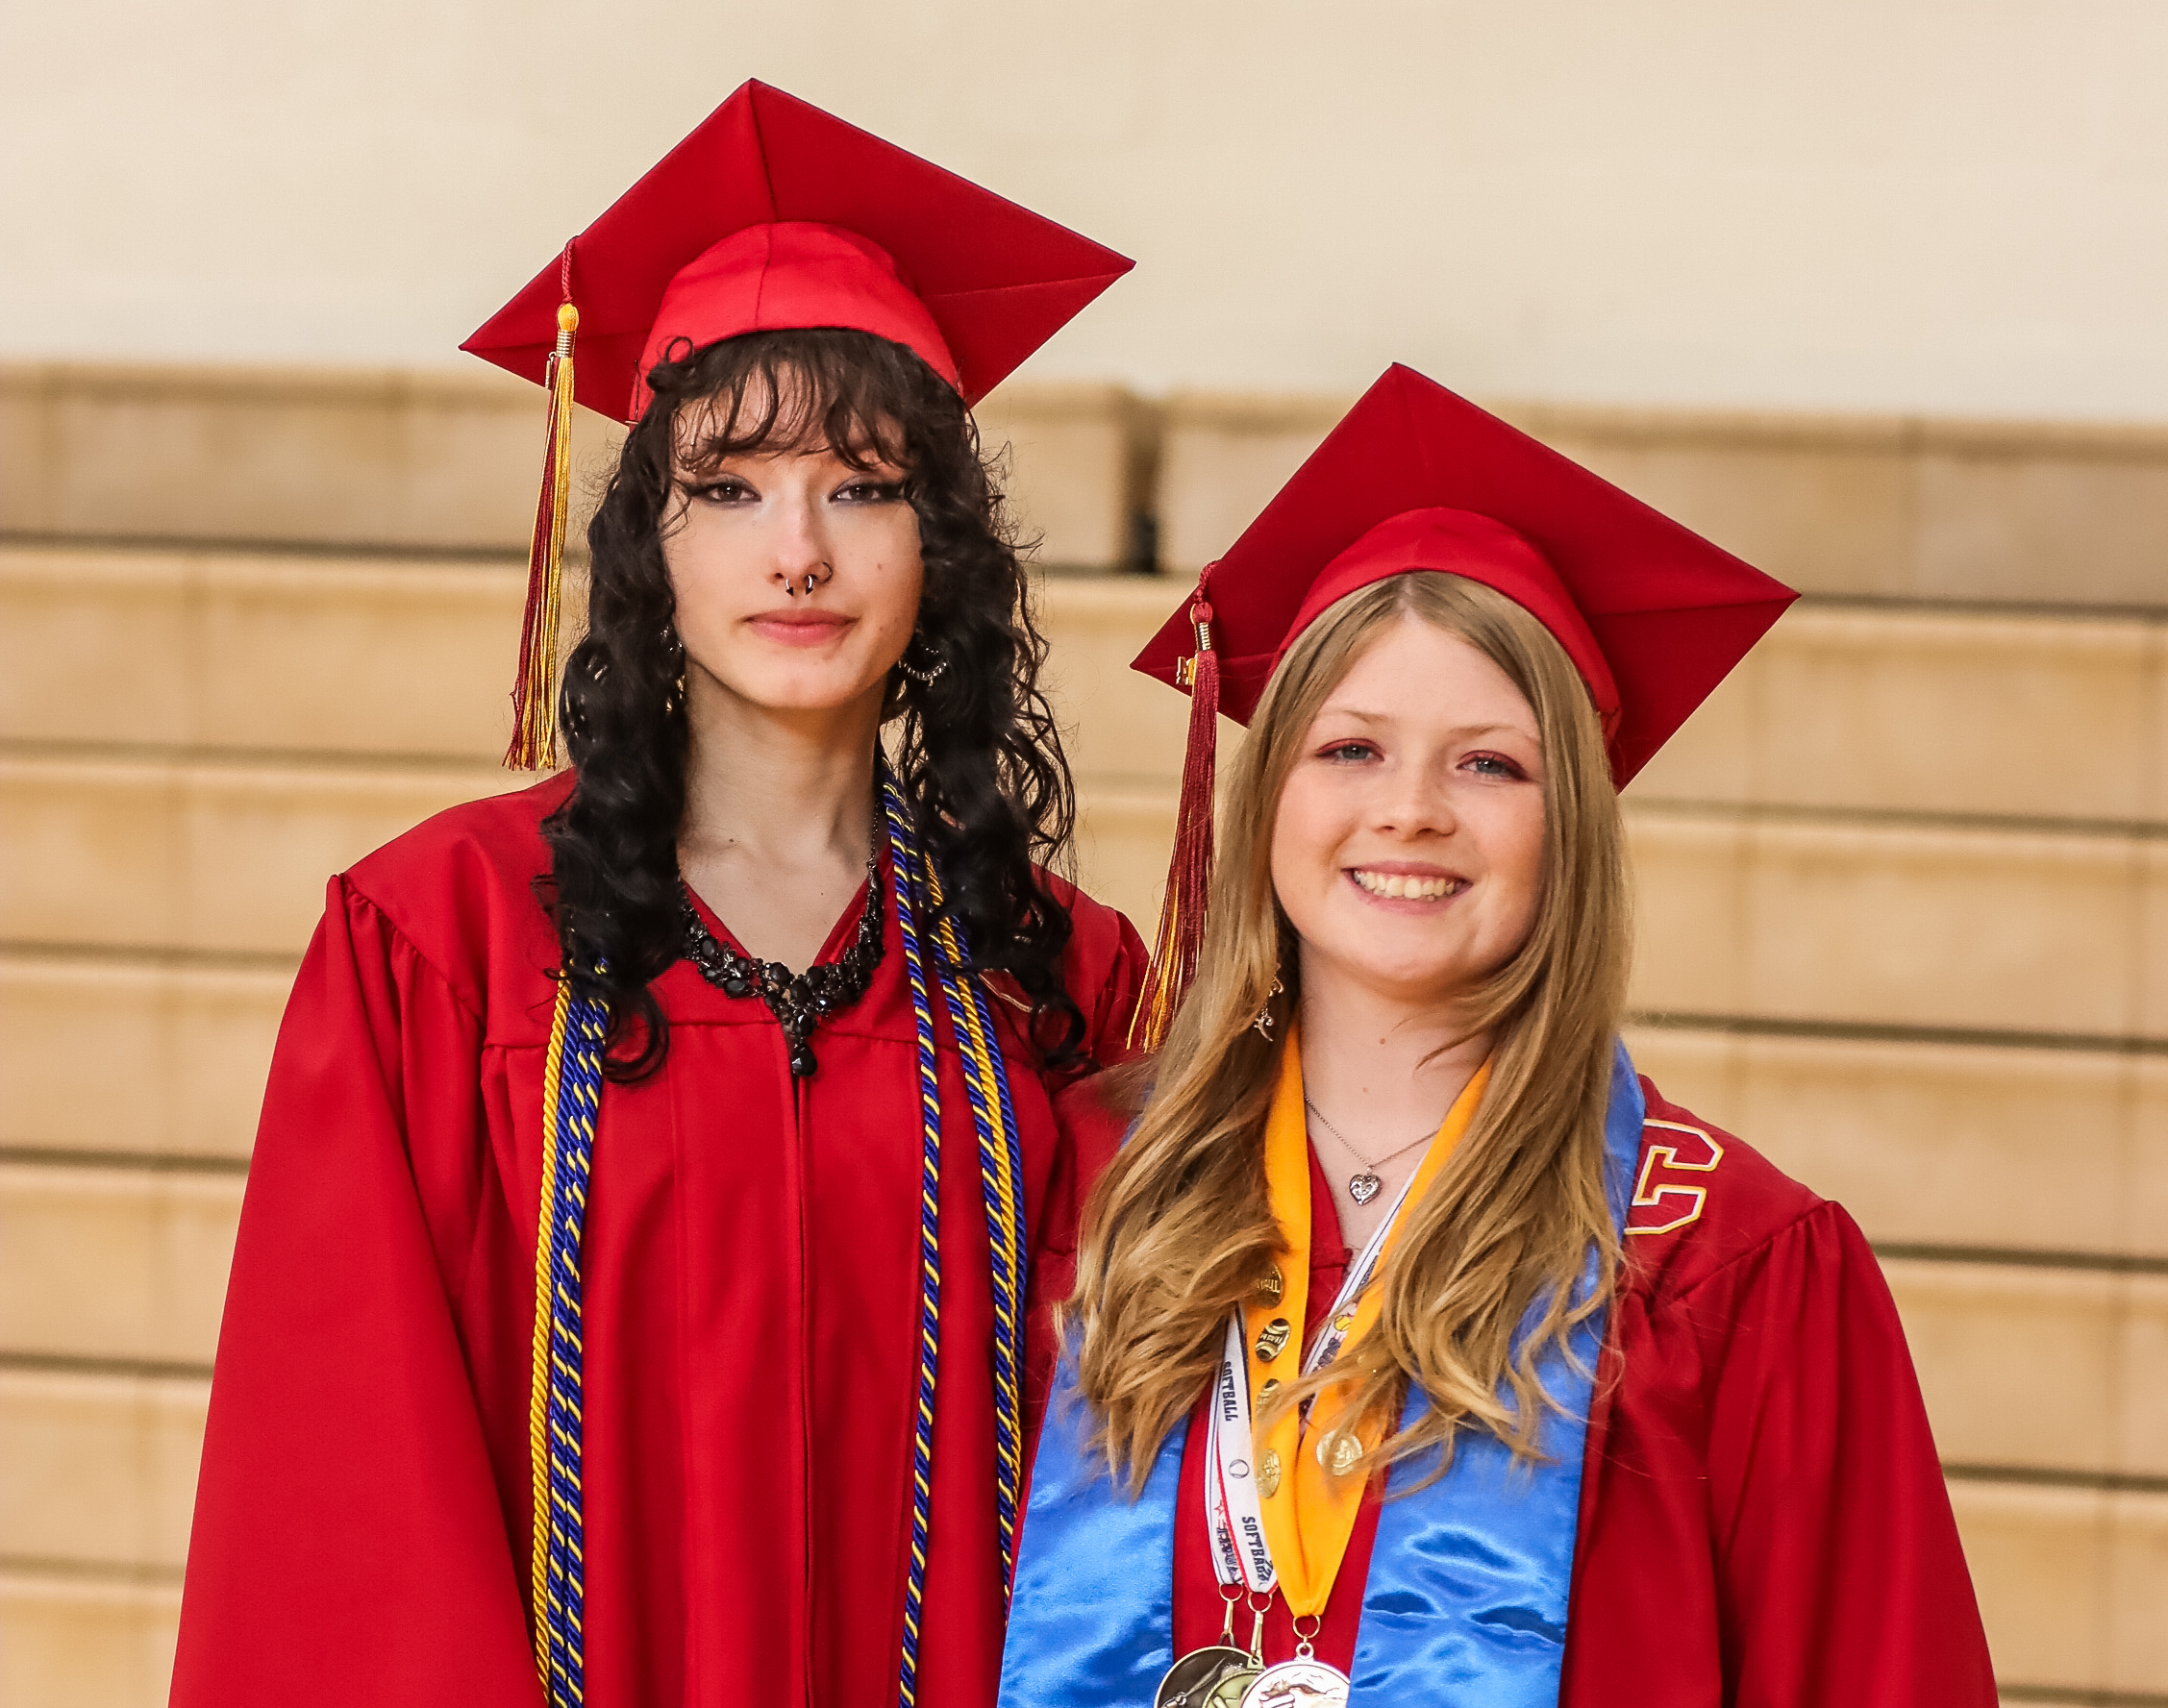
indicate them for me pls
(976, 751)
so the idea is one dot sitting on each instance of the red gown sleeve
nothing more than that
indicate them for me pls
(1108, 1008)
(1765, 1521)
(349, 1546)
(1840, 1572)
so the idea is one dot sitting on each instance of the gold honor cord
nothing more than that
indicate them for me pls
(1310, 1502)
(538, 1400)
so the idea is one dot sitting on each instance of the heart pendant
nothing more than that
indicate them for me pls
(1363, 1188)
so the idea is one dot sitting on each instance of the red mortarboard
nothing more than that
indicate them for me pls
(774, 214)
(1651, 614)
(771, 215)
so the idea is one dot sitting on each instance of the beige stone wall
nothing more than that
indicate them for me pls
(1904, 902)
(1947, 205)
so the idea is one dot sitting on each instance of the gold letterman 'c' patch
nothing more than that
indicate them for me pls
(1660, 1206)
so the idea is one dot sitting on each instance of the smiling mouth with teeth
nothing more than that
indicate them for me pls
(1395, 886)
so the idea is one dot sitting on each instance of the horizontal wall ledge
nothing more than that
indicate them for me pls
(2107, 1482)
(1961, 715)
(2071, 1583)
(87, 1639)
(1981, 1332)
(441, 459)
(1965, 1151)
(273, 653)
(1798, 922)
(200, 855)
(98, 1471)
(134, 1055)
(110, 1265)
(1899, 925)
(1894, 506)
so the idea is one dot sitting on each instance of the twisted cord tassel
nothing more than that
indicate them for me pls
(534, 693)
(1180, 932)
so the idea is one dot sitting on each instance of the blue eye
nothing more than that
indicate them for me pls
(1348, 752)
(1495, 765)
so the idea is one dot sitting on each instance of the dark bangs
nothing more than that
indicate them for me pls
(849, 391)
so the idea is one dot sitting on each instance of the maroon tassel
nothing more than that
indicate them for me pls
(1189, 870)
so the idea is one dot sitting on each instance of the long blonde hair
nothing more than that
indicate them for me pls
(1178, 1229)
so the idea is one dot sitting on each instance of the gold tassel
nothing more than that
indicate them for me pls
(534, 695)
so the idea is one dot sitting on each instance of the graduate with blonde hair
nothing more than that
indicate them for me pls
(1419, 1349)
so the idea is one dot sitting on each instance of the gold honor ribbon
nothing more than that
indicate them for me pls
(1310, 1507)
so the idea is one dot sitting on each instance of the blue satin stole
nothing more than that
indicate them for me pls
(1465, 1604)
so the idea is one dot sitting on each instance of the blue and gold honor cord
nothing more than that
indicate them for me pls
(571, 1095)
(1001, 1172)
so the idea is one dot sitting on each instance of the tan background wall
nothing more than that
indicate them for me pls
(1903, 900)
(1813, 278)
(1948, 206)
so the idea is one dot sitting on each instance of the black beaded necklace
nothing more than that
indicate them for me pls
(797, 1000)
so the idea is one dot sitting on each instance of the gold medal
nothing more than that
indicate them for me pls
(1192, 1682)
(1298, 1684)
(1272, 1340)
(1337, 1450)
(1269, 1288)
(1268, 1473)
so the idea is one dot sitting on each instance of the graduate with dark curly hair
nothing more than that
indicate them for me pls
(630, 1298)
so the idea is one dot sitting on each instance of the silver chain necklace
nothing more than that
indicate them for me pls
(1365, 1184)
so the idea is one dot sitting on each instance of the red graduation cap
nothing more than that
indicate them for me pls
(772, 215)
(1653, 615)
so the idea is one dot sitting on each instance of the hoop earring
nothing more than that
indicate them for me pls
(917, 675)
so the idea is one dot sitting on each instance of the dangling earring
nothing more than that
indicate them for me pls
(674, 648)
(917, 675)
(1262, 1023)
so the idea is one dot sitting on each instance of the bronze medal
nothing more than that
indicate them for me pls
(1298, 1684)
(1191, 1680)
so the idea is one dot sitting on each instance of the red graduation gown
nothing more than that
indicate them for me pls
(362, 1516)
(1763, 1520)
